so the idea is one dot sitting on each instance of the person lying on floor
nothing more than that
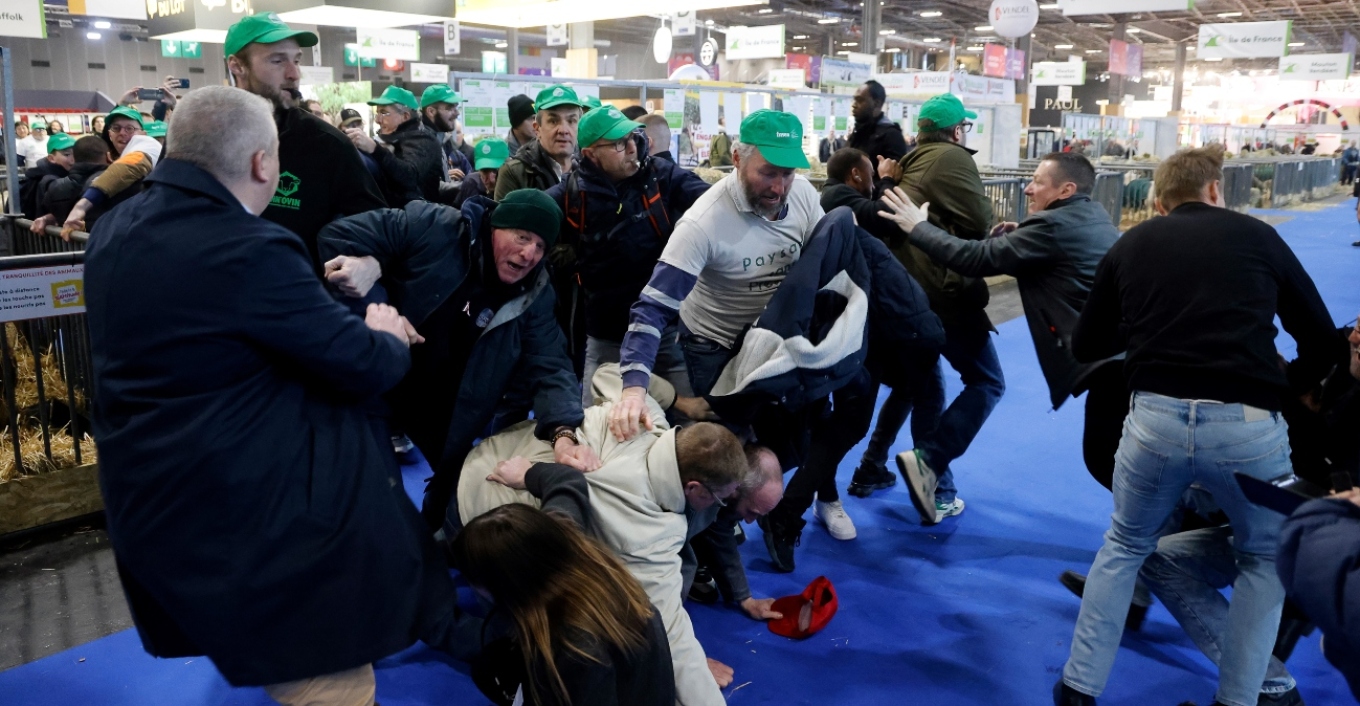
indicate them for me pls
(651, 493)
(585, 633)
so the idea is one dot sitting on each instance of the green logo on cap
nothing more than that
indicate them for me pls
(557, 93)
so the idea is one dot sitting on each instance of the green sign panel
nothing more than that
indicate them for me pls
(352, 57)
(175, 49)
(169, 47)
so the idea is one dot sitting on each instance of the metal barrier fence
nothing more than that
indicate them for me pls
(1009, 202)
(1237, 185)
(1291, 181)
(45, 364)
(1109, 193)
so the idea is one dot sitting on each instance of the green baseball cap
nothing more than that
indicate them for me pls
(604, 124)
(439, 94)
(60, 141)
(778, 136)
(396, 95)
(554, 96)
(942, 111)
(38, 125)
(490, 153)
(592, 103)
(156, 128)
(123, 111)
(264, 28)
(531, 210)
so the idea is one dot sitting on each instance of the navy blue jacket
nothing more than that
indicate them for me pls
(254, 507)
(1319, 565)
(845, 295)
(614, 238)
(425, 251)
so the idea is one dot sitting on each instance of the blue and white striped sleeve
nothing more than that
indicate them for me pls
(655, 310)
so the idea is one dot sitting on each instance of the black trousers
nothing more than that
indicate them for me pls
(1107, 404)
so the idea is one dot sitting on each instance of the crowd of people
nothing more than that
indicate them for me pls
(609, 365)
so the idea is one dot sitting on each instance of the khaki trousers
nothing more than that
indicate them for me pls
(353, 687)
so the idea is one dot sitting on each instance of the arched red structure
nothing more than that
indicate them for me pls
(1305, 101)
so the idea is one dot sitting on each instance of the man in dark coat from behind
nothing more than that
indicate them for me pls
(253, 504)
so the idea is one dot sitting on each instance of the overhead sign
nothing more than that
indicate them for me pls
(557, 35)
(112, 9)
(166, 18)
(401, 44)
(1013, 18)
(1058, 73)
(837, 72)
(682, 24)
(429, 73)
(1015, 64)
(1106, 7)
(754, 42)
(1316, 67)
(788, 78)
(22, 18)
(176, 49)
(353, 58)
(994, 60)
(1244, 39)
(42, 291)
(316, 75)
(452, 39)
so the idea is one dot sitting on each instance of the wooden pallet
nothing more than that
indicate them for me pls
(34, 501)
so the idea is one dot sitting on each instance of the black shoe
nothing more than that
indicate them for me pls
(1356, 244)
(870, 477)
(1064, 695)
(739, 533)
(1294, 625)
(1138, 608)
(1288, 698)
(780, 541)
(705, 589)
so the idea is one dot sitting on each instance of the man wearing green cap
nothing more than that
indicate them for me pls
(56, 165)
(91, 157)
(135, 156)
(542, 163)
(489, 154)
(719, 269)
(473, 282)
(408, 158)
(320, 174)
(620, 207)
(439, 116)
(33, 148)
(941, 171)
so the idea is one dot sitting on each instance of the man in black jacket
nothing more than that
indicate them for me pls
(321, 176)
(1053, 255)
(875, 134)
(1191, 297)
(38, 177)
(619, 207)
(411, 165)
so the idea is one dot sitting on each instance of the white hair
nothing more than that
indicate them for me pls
(219, 129)
(743, 151)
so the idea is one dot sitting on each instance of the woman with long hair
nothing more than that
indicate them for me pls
(583, 629)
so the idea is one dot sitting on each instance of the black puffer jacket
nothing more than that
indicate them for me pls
(411, 169)
(879, 138)
(61, 195)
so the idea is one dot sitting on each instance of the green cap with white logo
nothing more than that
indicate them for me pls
(942, 111)
(778, 136)
(604, 124)
(396, 95)
(264, 28)
(60, 141)
(439, 93)
(490, 153)
(554, 96)
(156, 128)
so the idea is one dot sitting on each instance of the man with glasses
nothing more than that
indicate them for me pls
(941, 172)
(542, 163)
(411, 163)
(620, 206)
(321, 176)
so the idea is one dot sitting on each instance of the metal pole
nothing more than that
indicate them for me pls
(11, 161)
(1178, 83)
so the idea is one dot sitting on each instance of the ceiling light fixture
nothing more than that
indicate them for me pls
(764, 11)
(1050, 6)
(800, 36)
(975, 48)
(359, 13)
(1298, 44)
(893, 50)
(1094, 51)
(845, 52)
(1133, 30)
(849, 44)
(886, 32)
(93, 35)
(983, 28)
(1214, 58)
(931, 40)
(828, 20)
(537, 13)
(502, 45)
(103, 24)
(1062, 46)
(1229, 14)
(931, 13)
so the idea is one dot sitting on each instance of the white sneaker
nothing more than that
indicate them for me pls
(943, 510)
(838, 524)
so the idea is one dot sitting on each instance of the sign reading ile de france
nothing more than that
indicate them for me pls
(1244, 39)
(403, 44)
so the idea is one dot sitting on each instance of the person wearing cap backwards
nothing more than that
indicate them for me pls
(726, 258)
(941, 171)
(410, 162)
(474, 284)
(321, 176)
(489, 154)
(439, 115)
(541, 164)
(56, 165)
(522, 122)
(135, 155)
(620, 207)
(156, 130)
(248, 488)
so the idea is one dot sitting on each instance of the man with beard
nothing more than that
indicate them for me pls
(875, 134)
(727, 257)
(439, 115)
(321, 175)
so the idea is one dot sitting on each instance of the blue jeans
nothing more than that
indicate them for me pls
(1186, 573)
(1168, 444)
(972, 354)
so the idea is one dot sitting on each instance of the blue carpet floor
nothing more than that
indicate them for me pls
(965, 613)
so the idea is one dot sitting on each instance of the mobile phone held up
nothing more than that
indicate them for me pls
(179, 83)
(148, 94)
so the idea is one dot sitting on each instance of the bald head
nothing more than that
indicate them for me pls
(658, 132)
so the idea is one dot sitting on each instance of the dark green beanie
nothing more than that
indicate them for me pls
(531, 210)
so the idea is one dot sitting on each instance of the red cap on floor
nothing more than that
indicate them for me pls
(806, 614)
